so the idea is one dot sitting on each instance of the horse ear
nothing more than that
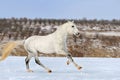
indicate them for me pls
(72, 21)
(68, 21)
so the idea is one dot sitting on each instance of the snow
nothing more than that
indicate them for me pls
(13, 68)
(110, 33)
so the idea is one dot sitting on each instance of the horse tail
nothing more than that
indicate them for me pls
(7, 50)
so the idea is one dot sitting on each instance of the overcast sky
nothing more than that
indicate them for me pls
(60, 9)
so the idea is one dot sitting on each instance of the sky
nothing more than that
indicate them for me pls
(61, 9)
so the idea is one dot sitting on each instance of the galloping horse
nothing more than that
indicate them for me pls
(52, 43)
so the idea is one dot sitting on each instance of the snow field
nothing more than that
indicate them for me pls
(13, 68)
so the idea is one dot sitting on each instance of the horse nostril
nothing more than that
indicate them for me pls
(78, 33)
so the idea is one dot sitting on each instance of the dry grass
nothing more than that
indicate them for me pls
(83, 49)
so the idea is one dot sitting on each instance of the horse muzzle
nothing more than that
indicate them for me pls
(77, 34)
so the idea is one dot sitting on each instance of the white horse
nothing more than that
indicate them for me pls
(52, 43)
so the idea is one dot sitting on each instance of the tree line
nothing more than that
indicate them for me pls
(21, 28)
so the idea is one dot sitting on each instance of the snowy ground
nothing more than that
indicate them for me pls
(13, 68)
(110, 33)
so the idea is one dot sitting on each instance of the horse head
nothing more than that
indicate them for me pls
(72, 29)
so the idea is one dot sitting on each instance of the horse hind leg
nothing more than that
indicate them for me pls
(39, 63)
(27, 60)
(68, 62)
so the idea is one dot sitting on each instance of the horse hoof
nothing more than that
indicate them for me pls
(29, 70)
(79, 68)
(49, 71)
(68, 62)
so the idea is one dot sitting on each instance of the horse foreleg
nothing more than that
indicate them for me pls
(69, 56)
(39, 63)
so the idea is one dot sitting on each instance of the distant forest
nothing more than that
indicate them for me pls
(21, 28)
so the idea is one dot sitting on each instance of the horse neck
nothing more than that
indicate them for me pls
(61, 33)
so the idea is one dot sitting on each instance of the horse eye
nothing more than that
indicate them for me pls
(72, 26)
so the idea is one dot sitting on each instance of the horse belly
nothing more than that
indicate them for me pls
(46, 47)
